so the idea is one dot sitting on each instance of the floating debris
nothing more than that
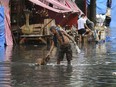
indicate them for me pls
(114, 73)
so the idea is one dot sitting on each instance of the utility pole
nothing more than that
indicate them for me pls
(92, 9)
(85, 7)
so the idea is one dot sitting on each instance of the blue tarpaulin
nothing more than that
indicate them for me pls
(2, 26)
(101, 6)
(113, 23)
(113, 14)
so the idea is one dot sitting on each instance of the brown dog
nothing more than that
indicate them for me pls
(43, 61)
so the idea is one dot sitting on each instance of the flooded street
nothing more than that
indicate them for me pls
(29, 25)
(95, 66)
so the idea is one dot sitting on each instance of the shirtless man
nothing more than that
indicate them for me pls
(61, 40)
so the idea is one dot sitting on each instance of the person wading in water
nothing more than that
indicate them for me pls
(61, 40)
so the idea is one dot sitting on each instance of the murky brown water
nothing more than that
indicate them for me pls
(95, 66)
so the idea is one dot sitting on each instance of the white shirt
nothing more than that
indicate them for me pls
(81, 23)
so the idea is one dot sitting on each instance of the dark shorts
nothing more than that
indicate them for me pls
(81, 31)
(65, 49)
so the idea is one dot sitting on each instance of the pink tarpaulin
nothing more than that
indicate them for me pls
(61, 1)
(8, 53)
(59, 5)
(48, 7)
(72, 6)
(8, 35)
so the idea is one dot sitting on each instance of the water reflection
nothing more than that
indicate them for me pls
(6, 53)
(101, 48)
(5, 67)
(2, 53)
(93, 67)
(42, 76)
(28, 53)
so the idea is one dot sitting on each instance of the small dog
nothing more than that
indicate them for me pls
(43, 61)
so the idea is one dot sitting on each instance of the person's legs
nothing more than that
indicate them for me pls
(60, 55)
(80, 38)
(81, 32)
(58, 61)
(89, 35)
(69, 54)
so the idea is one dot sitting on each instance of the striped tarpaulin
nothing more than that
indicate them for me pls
(8, 35)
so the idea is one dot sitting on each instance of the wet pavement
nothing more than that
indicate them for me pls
(95, 66)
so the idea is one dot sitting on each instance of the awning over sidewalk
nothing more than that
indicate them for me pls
(57, 6)
(73, 6)
(61, 6)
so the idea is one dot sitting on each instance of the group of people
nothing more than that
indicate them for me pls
(61, 40)
(85, 26)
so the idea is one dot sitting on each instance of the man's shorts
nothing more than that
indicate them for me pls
(81, 31)
(65, 49)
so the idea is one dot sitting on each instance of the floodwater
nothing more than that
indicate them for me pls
(95, 66)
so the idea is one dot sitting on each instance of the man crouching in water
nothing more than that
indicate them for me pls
(61, 40)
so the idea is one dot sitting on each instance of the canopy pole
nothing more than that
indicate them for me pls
(11, 30)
